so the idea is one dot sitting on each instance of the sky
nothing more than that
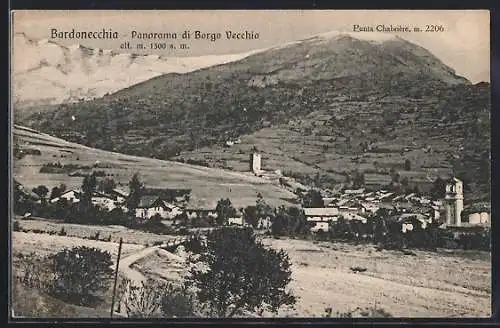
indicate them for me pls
(464, 43)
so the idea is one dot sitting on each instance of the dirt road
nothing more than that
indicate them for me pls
(126, 264)
(136, 277)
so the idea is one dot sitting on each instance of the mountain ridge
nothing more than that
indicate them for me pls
(372, 89)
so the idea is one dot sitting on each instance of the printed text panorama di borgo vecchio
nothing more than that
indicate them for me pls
(196, 35)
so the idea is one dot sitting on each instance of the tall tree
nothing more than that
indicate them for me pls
(407, 165)
(438, 189)
(41, 191)
(107, 185)
(250, 216)
(263, 209)
(224, 210)
(313, 198)
(57, 191)
(89, 186)
(358, 179)
(288, 221)
(136, 191)
(242, 276)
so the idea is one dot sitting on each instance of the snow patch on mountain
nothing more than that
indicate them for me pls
(45, 72)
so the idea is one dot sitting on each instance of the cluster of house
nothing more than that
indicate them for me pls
(349, 204)
(359, 204)
(155, 205)
(106, 200)
(149, 205)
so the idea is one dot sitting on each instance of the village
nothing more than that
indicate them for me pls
(172, 206)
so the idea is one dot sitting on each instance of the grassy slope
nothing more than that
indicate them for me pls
(208, 185)
(437, 134)
(33, 303)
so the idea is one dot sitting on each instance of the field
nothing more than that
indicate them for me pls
(208, 184)
(129, 236)
(44, 244)
(292, 152)
(439, 284)
(442, 284)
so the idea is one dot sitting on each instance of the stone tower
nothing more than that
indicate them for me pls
(255, 162)
(454, 202)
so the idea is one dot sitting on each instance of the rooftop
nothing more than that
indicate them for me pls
(321, 211)
(147, 201)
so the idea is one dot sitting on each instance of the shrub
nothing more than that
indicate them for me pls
(80, 272)
(183, 231)
(370, 312)
(177, 302)
(37, 273)
(194, 246)
(16, 226)
(144, 301)
(62, 232)
(357, 269)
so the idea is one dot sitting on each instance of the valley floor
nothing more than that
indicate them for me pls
(441, 284)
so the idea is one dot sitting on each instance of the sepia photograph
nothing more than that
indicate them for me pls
(250, 164)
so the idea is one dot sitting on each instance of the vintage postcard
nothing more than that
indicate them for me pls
(250, 164)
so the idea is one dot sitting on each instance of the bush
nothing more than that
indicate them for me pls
(177, 302)
(194, 246)
(16, 226)
(370, 312)
(183, 231)
(62, 232)
(153, 299)
(144, 301)
(357, 269)
(81, 272)
(37, 273)
(96, 236)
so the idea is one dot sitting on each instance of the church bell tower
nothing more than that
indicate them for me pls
(454, 202)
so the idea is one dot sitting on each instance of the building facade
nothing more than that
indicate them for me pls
(454, 202)
(255, 162)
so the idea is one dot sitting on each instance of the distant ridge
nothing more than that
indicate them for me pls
(46, 72)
